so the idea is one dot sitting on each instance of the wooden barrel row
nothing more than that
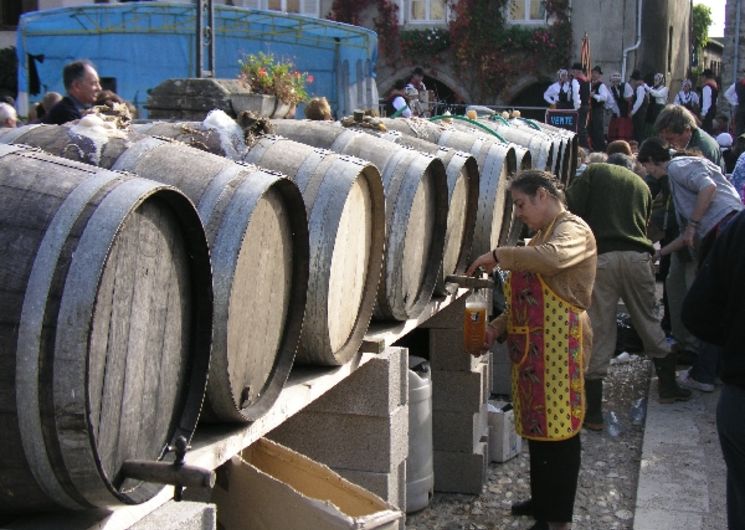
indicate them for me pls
(106, 331)
(463, 195)
(416, 199)
(345, 202)
(253, 221)
(257, 231)
(497, 163)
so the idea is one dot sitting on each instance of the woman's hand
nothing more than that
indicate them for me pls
(489, 337)
(485, 261)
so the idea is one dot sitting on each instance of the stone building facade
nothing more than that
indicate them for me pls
(624, 35)
(733, 57)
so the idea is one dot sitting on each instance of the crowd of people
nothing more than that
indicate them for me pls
(83, 92)
(631, 107)
(656, 204)
(661, 184)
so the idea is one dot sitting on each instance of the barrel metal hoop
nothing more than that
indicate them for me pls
(6, 149)
(343, 140)
(76, 312)
(256, 152)
(128, 159)
(225, 250)
(216, 188)
(307, 169)
(29, 334)
(9, 136)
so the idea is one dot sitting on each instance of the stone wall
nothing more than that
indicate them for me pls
(733, 45)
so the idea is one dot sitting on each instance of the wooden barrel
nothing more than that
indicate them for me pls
(541, 147)
(497, 164)
(570, 146)
(346, 223)
(415, 186)
(523, 157)
(258, 234)
(463, 195)
(106, 329)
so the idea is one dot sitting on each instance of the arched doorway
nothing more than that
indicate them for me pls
(442, 96)
(532, 96)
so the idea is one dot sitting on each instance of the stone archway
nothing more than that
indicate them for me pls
(443, 81)
(528, 92)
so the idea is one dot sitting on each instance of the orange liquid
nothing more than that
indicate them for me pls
(474, 328)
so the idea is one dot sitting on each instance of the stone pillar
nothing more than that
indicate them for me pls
(734, 44)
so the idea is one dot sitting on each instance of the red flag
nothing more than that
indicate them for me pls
(584, 55)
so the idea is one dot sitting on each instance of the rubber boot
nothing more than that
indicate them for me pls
(594, 398)
(669, 391)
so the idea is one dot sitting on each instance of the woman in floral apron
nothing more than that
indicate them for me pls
(548, 334)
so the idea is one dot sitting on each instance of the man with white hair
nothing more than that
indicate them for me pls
(688, 97)
(8, 116)
(559, 94)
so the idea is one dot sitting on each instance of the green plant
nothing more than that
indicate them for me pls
(424, 43)
(496, 51)
(266, 75)
(700, 22)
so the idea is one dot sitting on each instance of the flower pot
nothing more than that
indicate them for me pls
(262, 104)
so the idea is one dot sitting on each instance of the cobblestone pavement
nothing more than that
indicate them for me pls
(607, 481)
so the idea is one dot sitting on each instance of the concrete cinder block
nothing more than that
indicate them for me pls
(363, 443)
(183, 515)
(459, 391)
(391, 487)
(461, 472)
(501, 378)
(448, 318)
(458, 432)
(487, 359)
(377, 388)
(446, 350)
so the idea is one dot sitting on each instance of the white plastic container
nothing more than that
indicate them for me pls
(420, 477)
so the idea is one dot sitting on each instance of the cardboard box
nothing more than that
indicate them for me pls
(504, 443)
(270, 486)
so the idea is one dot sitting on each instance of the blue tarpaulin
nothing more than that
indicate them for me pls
(136, 46)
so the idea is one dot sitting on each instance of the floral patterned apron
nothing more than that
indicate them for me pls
(544, 340)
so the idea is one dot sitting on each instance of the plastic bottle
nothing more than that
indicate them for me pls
(474, 322)
(638, 411)
(614, 426)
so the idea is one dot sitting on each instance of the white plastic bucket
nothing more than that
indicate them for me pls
(420, 478)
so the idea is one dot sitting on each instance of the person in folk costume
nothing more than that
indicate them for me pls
(581, 101)
(419, 101)
(620, 126)
(559, 94)
(547, 330)
(687, 97)
(639, 104)
(709, 94)
(396, 105)
(599, 97)
(658, 94)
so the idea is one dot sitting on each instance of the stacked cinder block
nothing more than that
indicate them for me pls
(180, 516)
(360, 427)
(460, 389)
